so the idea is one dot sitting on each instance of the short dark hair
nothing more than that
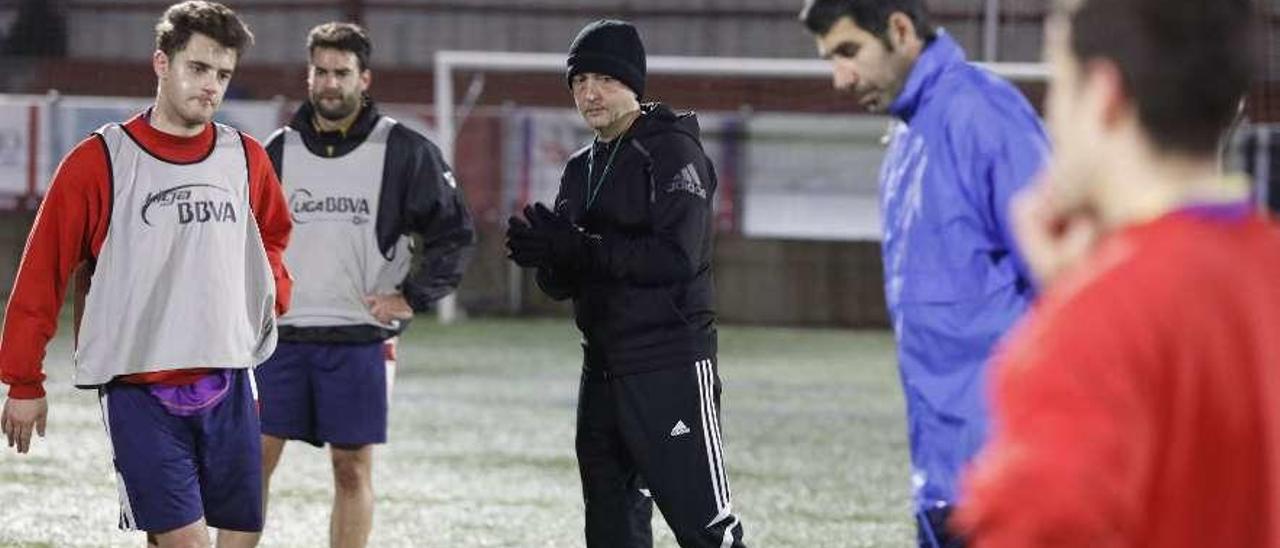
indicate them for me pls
(211, 19)
(343, 37)
(871, 15)
(1186, 64)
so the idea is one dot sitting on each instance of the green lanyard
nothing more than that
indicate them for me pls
(594, 191)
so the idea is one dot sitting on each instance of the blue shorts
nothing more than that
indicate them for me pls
(172, 470)
(325, 393)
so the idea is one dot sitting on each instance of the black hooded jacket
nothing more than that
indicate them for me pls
(644, 301)
(417, 198)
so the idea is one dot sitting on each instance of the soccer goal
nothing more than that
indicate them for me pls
(796, 160)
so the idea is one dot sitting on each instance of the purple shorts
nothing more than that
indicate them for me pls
(325, 393)
(176, 465)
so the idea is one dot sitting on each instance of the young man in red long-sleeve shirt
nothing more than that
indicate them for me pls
(178, 226)
(1139, 403)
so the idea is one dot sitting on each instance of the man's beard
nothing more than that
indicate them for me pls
(348, 105)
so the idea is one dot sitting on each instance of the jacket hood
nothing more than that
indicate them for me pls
(657, 118)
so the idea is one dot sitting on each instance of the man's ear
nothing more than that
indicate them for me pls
(901, 31)
(160, 63)
(1106, 91)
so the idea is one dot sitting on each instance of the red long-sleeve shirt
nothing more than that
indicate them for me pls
(1139, 405)
(69, 230)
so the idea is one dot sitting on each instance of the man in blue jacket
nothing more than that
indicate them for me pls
(963, 143)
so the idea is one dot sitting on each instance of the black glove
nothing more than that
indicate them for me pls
(569, 244)
(547, 240)
(525, 246)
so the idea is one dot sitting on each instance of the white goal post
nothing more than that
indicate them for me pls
(448, 61)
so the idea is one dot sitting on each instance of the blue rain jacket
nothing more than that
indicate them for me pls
(966, 142)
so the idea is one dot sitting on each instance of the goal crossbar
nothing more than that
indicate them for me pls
(448, 61)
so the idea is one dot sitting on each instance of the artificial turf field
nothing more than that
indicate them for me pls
(481, 449)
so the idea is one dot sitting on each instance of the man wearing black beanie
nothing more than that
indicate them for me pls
(629, 240)
(609, 47)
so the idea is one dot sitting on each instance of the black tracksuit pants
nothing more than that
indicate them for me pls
(655, 433)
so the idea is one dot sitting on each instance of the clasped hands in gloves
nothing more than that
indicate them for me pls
(544, 239)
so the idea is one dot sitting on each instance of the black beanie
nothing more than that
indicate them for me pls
(609, 47)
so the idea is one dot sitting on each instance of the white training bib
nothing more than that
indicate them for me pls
(182, 279)
(333, 250)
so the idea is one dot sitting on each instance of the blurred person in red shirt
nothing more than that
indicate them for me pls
(1139, 403)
